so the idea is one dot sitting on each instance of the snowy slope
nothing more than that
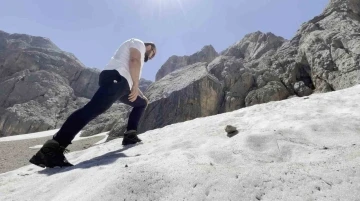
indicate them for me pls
(296, 149)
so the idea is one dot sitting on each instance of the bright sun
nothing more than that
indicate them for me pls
(163, 5)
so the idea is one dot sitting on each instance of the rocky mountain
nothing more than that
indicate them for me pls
(41, 85)
(323, 56)
(206, 54)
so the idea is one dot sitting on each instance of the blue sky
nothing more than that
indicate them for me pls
(94, 29)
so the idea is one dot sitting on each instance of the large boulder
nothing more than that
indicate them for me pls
(182, 95)
(272, 91)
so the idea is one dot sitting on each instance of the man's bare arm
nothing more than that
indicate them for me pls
(135, 64)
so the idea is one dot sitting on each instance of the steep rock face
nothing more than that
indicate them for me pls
(250, 78)
(330, 44)
(323, 56)
(207, 54)
(38, 81)
(22, 41)
(22, 52)
(182, 95)
(244, 69)
(236, 79)
(32, 101)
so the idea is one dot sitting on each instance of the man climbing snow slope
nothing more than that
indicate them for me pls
(118, 81)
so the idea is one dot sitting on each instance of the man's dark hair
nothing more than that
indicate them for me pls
(150, 43)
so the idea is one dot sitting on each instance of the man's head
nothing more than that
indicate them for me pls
(150, 51)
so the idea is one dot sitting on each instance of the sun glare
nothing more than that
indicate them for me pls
(164, 5)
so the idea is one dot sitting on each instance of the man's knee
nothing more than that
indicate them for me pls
(141, 103)
(144, 103)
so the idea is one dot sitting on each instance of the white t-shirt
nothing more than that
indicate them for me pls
(120, 60)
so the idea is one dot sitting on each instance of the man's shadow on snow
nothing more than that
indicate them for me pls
(105, 159)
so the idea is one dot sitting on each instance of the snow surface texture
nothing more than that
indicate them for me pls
(296, 149)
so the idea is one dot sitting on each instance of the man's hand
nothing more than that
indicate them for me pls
(134, 93)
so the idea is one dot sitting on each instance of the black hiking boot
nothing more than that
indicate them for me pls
(51, 155)
(130, 137)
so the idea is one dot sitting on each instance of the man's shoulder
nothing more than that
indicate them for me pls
(136, 40)
(136, 43)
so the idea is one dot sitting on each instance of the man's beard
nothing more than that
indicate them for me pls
(146, 58)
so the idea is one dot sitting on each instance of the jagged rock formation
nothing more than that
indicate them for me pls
(323, 56)
(41, 84)
(243, 68)
(206, 54)
(38, 81)
(330, 45)
(182, 95)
